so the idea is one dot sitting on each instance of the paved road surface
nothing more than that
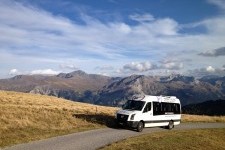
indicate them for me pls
(90, 140)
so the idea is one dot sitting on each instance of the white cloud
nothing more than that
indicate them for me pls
(38, 19)
(223, 68)
(58, 35)
(32, 33)
(14, 72)
(121, 27)
(172, 65)
(139, 66)
(103, 73)
(210, 69)
(68, 66)
(214, 26)
(45, 72)
(165, 26)
(106, 67)
(159, 27)
(214, 53)
(161, 68)
(142, 18)
(218, 3)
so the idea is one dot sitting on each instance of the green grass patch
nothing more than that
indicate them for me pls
(198, 139)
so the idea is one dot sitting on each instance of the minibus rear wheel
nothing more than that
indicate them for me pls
(170, 125)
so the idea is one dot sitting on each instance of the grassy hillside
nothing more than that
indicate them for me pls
(26, 117)
(200, 139)
(201, 118)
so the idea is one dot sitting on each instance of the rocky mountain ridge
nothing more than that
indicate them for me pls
(113, 91)
(187, 89)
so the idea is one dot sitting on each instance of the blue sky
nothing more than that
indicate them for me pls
(112, 37)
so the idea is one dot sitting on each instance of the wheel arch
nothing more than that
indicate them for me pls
(143, 122)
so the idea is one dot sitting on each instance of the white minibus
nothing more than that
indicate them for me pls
(150, 111)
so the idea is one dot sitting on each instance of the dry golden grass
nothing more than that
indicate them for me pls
(197, 139)
(202, 118)
(25, 117)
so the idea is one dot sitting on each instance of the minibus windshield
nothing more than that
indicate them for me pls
(133, 105)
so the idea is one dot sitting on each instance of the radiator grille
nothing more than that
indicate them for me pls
(122, 118)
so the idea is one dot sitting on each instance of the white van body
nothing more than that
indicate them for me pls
(150, 111)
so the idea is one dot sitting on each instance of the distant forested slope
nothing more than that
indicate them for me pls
(206, 108)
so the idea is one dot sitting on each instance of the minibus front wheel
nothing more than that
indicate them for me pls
(140, 126)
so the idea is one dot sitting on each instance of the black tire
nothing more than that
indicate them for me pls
(118, 125)
(170, 125)
(140, 126)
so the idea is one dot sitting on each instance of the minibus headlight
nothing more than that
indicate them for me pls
(132, 117)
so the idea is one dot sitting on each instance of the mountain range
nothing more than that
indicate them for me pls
(113, 91)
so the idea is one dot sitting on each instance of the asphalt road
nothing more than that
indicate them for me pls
(91, 140)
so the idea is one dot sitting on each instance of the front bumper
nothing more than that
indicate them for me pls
(122, 120)
(130, 124)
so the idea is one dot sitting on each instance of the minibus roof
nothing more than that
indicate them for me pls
(150, 98)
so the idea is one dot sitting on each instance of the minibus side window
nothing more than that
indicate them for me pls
(147, 107)
(165, 108)
(156, 108)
